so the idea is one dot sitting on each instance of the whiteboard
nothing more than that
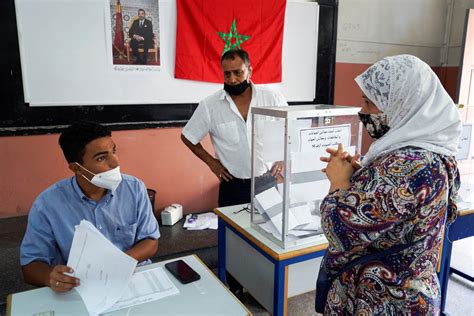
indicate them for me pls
(369, 30)
(66, 57)
(408, 22)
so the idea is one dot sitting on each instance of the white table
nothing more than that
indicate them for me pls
(207, 296)
(270, 273)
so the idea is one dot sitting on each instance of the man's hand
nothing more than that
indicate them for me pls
(219, 170)
(277, 169)
(214, 164)
(138, 38)
(60, 282)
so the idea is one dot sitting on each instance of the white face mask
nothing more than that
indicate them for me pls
(108, 180)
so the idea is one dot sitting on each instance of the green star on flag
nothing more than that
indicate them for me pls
(232, 39)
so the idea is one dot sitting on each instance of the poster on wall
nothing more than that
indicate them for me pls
(135, 32)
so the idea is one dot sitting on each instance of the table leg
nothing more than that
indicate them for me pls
(280, 291)
(444, 271)
(221, 250)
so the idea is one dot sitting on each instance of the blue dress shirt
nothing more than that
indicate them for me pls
(124, 217)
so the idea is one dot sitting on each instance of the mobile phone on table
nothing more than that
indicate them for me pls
(181, 271)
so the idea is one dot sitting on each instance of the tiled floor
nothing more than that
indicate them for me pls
(460, 300)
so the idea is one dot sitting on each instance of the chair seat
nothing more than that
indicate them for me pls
(154, 49)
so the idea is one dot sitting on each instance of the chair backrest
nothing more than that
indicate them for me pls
(152, 195)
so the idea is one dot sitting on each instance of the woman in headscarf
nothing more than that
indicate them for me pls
(403, 192)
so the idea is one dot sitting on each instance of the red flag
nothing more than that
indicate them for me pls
(205, 28)
(118, 47)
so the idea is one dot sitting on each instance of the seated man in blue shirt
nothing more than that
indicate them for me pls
(117, 204)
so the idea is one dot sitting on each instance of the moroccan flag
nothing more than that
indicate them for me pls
(118, 47)
(208, 28)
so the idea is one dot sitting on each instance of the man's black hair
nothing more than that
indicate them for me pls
(236, 52)
(141, 10)
(73, 140)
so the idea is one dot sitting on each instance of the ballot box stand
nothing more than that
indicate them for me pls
(288, 184)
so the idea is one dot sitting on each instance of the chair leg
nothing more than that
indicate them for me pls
(128, 54)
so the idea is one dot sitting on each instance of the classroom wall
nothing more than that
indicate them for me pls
(368, 30)
(29, 164)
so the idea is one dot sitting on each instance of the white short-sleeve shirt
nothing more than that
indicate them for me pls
(230, 133)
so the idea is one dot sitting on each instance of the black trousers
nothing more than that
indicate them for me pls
(135, 45)
(234, 192)
(237, 191)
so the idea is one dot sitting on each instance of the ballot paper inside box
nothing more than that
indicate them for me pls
(288, 184)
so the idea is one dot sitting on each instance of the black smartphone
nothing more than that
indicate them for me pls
(182, 272)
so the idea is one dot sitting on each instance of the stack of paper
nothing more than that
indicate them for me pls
(106, 272)
(300, 219)
(201, 221)
(146, 286)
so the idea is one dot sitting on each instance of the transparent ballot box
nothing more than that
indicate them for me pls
(287, 182)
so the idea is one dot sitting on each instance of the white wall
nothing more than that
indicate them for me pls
(456, 33)
(369, 30)
(91, 78)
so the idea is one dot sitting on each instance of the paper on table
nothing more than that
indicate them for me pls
(104, 270)
(293, 234)
(146, 286)
(201, 221)
(315, 224)
(302, 214)
(268, 226)
(277, 220)
(297, 232)
(269, 198)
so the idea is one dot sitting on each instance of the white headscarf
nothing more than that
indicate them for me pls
(419, 111)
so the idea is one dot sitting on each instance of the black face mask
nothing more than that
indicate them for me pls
(376, 124)
(236, 89)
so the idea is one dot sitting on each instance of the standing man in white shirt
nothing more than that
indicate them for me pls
(225, 116)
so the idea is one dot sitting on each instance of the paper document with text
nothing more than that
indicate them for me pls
(146, 286)
(104, 270)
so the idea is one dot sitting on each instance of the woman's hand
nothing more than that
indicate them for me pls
(354, 160)
(340, 168)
